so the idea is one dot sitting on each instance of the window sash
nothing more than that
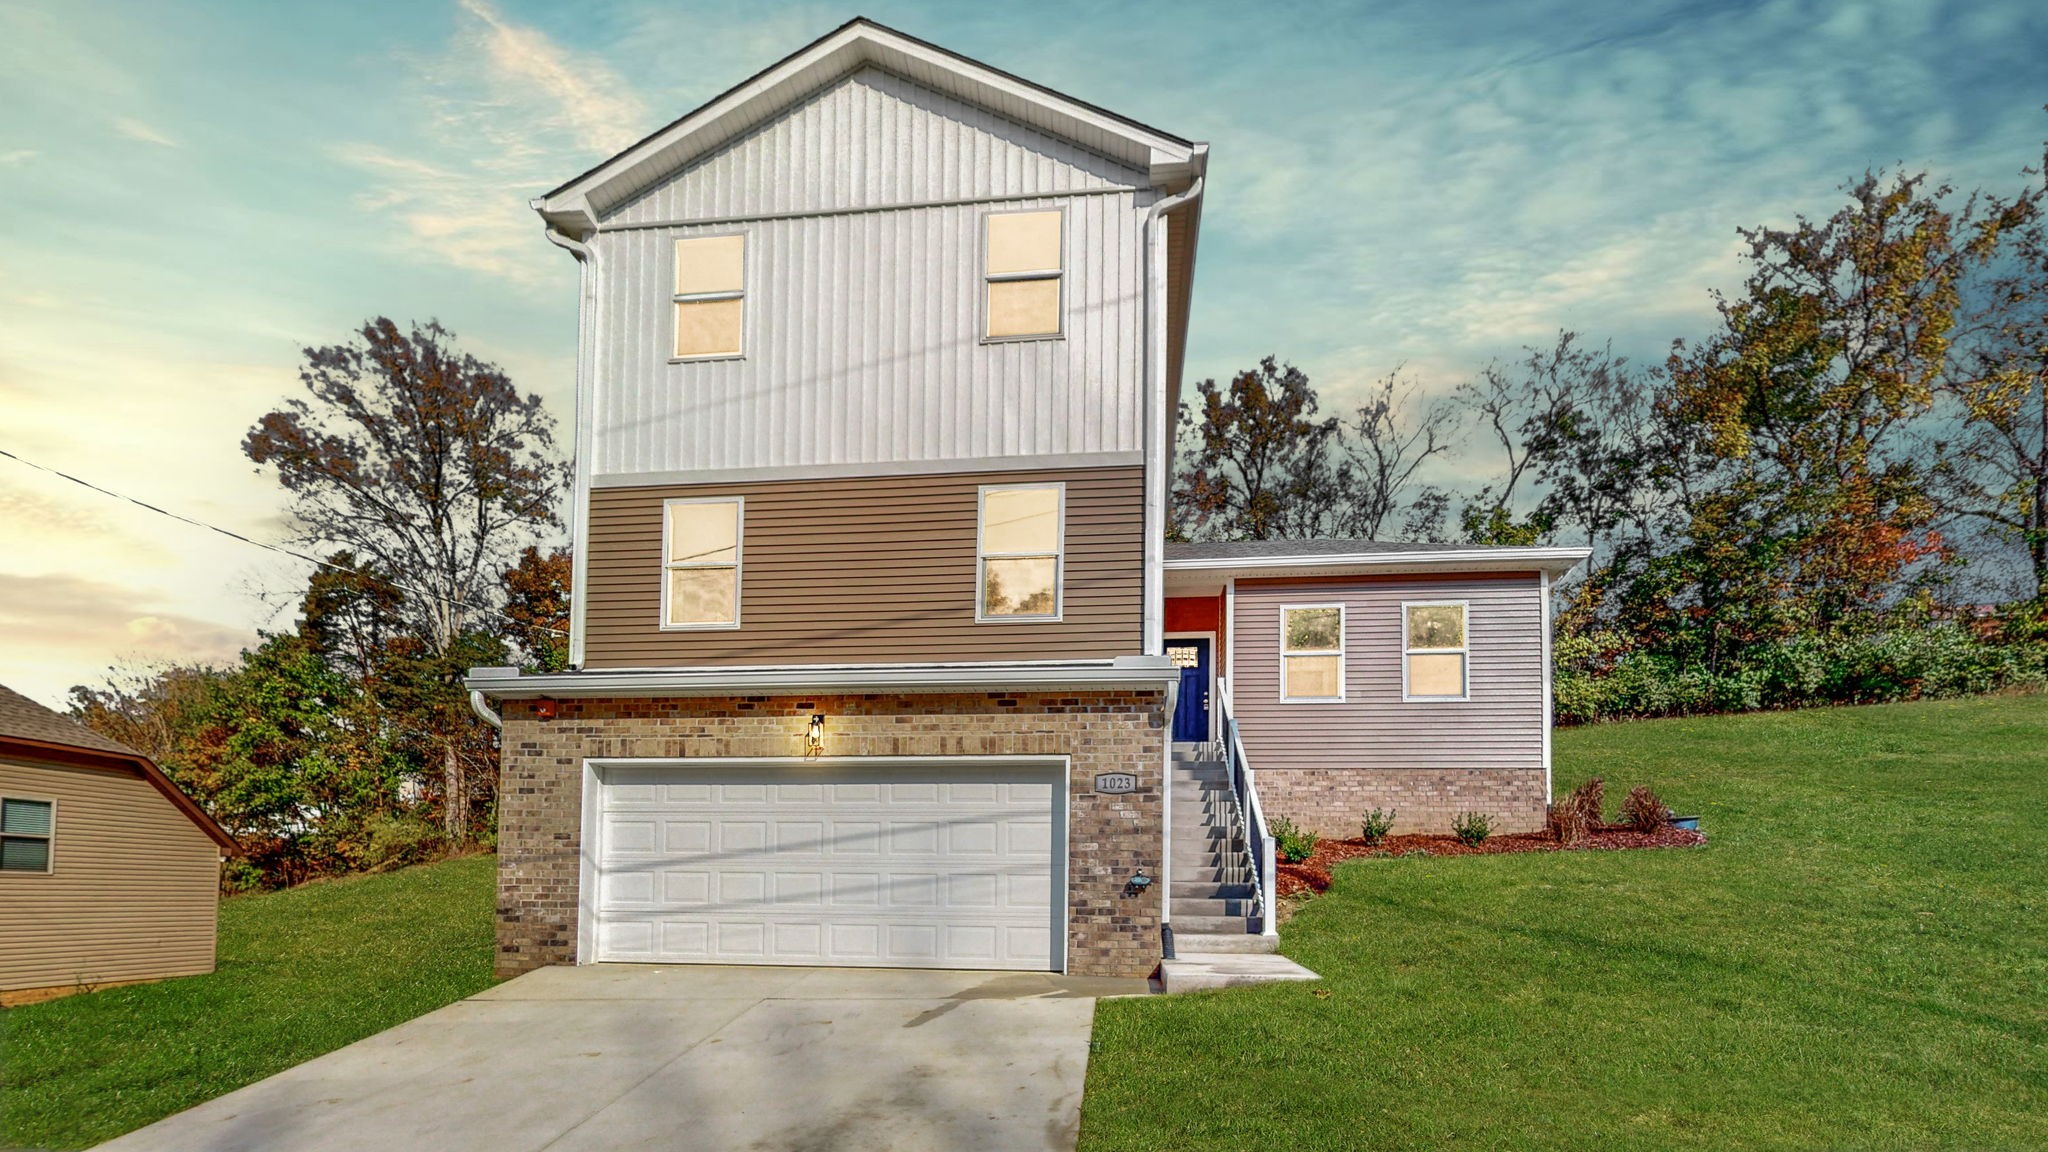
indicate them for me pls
(28, 843)
(697, 320)
(1312, 657)
(670, 566)
(1008, 559)
(1462, 651)
(1013, 271)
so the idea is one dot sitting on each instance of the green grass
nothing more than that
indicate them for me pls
(1857, 959)
(301, 973)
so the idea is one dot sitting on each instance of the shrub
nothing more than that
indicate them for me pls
(1294, 844)
(394, 840)
(1590, 799)
(1472, 828)
(1643, 811)
(1567, 821)
(1377, 825)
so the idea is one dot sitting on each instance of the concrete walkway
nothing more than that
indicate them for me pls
(650, 1057)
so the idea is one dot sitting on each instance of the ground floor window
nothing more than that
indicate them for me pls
(25, 830)
(1435, 656)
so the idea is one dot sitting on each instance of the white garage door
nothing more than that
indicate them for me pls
(900, 864)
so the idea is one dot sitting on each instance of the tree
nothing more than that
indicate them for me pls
(1393, 434)
(430, 467)
(1260, 466)
(537, 607)
(1995, 469)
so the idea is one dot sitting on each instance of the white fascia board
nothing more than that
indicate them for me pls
(1137, 672)
(1504, 559)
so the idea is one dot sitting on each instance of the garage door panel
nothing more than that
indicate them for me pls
(752, 867)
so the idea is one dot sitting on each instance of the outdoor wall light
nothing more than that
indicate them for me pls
(1137, 884)
(814, 738)
(544, 708)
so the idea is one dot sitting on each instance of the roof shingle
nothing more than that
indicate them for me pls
(24, 719)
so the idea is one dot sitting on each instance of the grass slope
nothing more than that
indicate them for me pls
(301, 973)
(1857, 959)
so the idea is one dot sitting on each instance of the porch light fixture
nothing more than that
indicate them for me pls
(814, 737)
(1137, 884)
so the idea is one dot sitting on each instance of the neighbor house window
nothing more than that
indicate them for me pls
(25, 830)
(711, 297)
(1021, 263)
(701, 561)
(1021, 536)
(1435, 653)
(1312, 652)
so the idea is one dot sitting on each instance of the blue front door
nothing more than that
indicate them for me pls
(1191, 714)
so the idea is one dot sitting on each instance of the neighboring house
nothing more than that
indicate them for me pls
(108, 873)
(879, 655)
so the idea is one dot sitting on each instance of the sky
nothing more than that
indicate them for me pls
(196, 191)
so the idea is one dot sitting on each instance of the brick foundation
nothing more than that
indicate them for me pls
(1334, 801)
(540, 793)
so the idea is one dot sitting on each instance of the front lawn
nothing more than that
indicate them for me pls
(1858, 958)
(301, 973)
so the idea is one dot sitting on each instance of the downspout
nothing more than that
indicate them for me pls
(483, 710)
(586, 356)
(1157, 420)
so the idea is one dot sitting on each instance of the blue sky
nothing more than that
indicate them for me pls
(195, 190)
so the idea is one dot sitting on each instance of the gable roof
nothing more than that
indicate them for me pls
(576, 206)
(32, 732)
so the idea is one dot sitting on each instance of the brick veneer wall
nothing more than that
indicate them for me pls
(540, 793)
(1334, 801)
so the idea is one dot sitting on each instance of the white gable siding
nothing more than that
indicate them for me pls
(873, 139)
(863, 349)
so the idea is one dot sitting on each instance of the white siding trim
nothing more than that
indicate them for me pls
(1543, 586)
(876, 468)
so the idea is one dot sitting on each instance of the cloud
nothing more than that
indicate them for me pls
(58, 623)
(135, 129)
(503, 114)
(17, 156)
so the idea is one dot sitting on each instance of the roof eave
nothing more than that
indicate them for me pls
(1555, 561)
(75, 756)
(1124, 672)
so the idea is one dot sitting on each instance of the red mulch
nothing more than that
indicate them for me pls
(1313, 874)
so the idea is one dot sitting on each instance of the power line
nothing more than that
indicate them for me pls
(234, 535)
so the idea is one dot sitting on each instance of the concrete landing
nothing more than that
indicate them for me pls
(1199, 971)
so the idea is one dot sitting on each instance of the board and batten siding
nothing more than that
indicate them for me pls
(1500, 726)
(133, 893)
(865, 571)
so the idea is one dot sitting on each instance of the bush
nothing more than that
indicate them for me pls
(1294, 844)
(1472, 828)
(1591, 800)
(1377, 825)
(1643, 811)
(1567, 821)
(394, 840)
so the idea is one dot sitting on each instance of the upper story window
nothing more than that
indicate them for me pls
(700, 550)
(26, 827)
(1435, 652)
(1312, 652)
(1022, 534)
(1022, 263)
(711, 296)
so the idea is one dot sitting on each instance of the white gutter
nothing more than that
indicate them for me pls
(1477, 559)
(586, 377)
(1124, 672)
(1158, 421)
(483, 710)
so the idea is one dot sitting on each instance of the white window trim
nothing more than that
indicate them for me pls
(1343, 638)
(739, 556)
(1059, 274)
(49, 857)
(675, 298)
(1466, 607)
(982, 557)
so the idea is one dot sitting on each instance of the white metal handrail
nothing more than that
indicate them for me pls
(1246, 790)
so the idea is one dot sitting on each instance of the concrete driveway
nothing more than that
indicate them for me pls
(656, 1057)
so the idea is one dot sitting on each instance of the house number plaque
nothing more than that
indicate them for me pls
(1115, 783)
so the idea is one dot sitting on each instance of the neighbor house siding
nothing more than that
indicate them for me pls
(859, 571)
(1328, 762)
(133, 889)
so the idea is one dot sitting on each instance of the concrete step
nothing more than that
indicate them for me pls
(1209, 890)
(1192, 943)
(1197, 858)
(1188, 906)
(1197, 832)
(1210, 926)
(1197, 972)
(1198, 873)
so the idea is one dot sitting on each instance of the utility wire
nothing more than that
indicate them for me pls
(233, 535)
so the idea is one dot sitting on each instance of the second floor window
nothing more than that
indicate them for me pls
(710, 297)
(1021, 257)
(701, 564)
(1021, 538)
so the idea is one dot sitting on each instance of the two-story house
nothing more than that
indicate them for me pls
(879, 654)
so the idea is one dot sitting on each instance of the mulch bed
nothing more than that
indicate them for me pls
(1313, 874)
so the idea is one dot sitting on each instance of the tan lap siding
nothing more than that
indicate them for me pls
(133, 892)
(867, 570)
(1501, 726)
